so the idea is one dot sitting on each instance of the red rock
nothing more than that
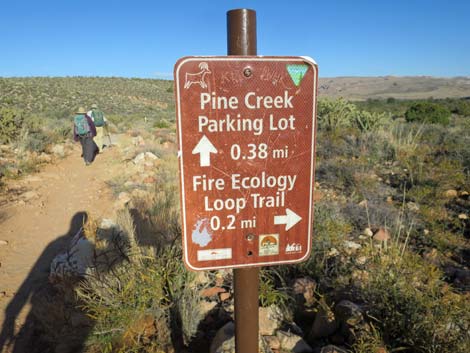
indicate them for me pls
(380, 350)
(150, 180)
(382, 235)
(318, 195)
(211, 292)
(224, 296)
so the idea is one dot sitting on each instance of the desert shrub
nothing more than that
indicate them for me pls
(11, 123)
(161, 124)
(164, 212)
(368, 342)
(332, 145)
(117, 308)
(450, 143)
(413, 308)
(403, 138)
(458, 106)
(427, 112)
(272, 289)
(462, 108)
(28, 165)
(395, 107)
(187, 312)
(36, 141)
(376, 147)
(366, 121)
(430, 155)
(335, 113)
(60, 131)
(55, 98)
(337, 175)
(116, 119)
(139, 301)
(330, 230)
(376, 214)
(37, 133)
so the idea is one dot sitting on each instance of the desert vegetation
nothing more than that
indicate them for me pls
(389, 270)
(36, 113)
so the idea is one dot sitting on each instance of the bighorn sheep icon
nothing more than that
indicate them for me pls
(197, 78)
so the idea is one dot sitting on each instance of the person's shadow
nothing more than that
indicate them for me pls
(54, 323)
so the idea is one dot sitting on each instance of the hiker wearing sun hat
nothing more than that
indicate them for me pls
(100, 123)
(84, 130)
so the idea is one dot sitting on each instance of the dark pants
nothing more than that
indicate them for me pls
(89, 148)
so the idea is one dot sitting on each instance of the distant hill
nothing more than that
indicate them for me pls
(407, 87)
(59, 97)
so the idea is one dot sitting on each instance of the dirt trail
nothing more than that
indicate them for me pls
(37, 225)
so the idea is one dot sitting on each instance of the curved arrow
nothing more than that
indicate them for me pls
(205, 148)
(290, 219)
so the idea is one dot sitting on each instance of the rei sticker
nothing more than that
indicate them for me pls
(268, 244)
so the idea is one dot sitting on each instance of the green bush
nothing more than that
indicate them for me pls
(334, 114)
(33, 140)
(414, 309)
(330, 231)
(462, 107)
(144, 290)
(366, 121)
(11, 122)
(428, 112)
(162, 124)
(272, 289)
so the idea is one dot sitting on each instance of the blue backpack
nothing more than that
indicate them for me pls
(81, 125)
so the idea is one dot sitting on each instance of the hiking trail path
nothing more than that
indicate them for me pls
(38, 214)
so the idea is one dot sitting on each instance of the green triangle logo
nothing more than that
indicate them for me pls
(297, 72)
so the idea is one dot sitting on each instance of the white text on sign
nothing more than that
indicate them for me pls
(236, 123)
(251, 100)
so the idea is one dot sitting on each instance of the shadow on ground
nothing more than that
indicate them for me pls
(54, 323)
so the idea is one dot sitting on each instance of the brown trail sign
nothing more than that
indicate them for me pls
(246, 133)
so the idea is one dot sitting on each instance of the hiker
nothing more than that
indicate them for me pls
(84, 130)
(100, 123)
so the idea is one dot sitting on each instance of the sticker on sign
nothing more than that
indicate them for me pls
(246, 136)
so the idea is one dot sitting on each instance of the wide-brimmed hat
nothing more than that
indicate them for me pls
(94, 106)
(81, 110)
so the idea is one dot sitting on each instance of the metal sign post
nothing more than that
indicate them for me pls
(246, 132)
(241, 40)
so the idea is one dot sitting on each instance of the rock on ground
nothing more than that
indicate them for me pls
(224, 341)
(332, 349)
(293, 343)
(270, 319)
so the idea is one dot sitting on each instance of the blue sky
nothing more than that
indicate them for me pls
(145, 38)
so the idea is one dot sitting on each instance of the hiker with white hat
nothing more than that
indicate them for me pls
(84, 130)
(100, 123)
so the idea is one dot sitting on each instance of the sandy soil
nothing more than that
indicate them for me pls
(37, 222)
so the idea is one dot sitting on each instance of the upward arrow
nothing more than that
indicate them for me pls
(204, 148)
(290, 219)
